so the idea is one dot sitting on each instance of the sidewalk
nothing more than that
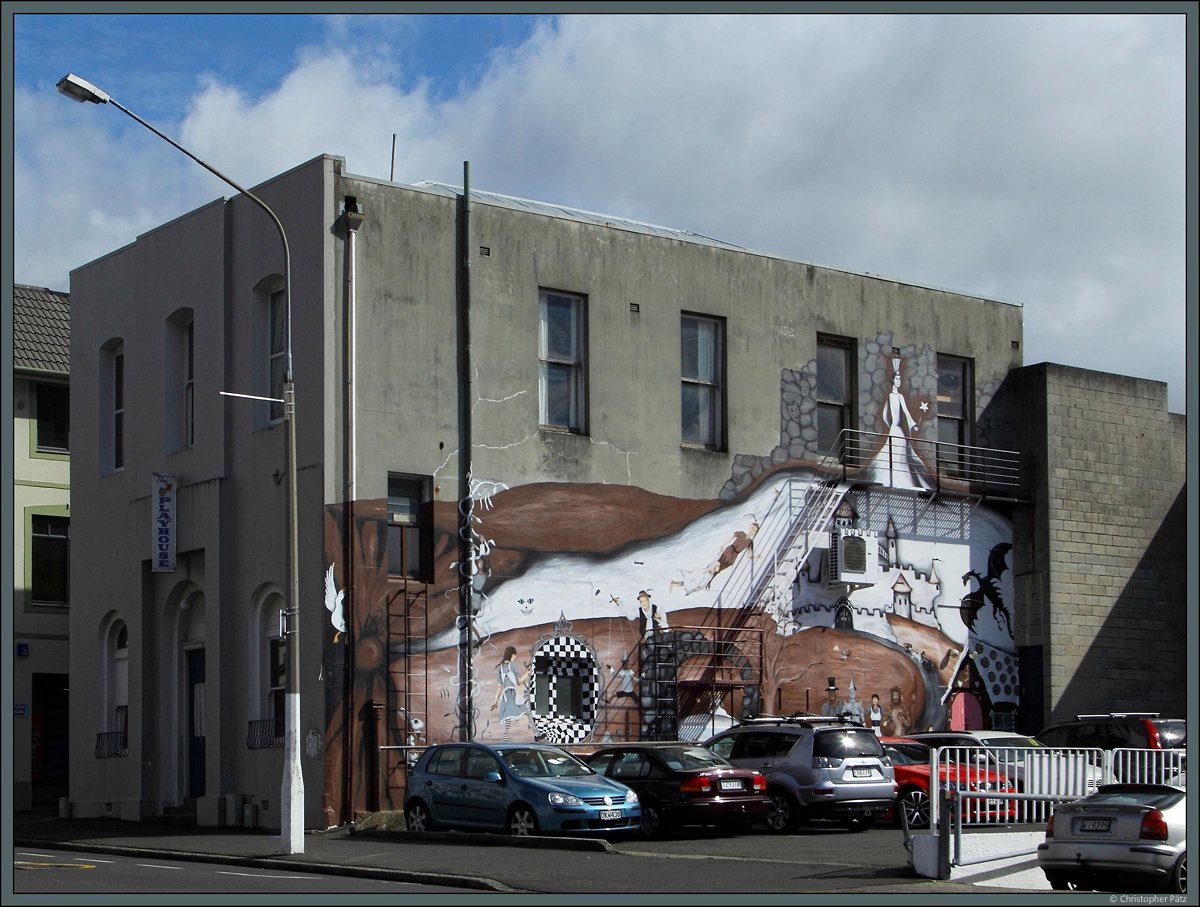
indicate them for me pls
(492, 863)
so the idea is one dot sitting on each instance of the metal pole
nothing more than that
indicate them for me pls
(292, 785)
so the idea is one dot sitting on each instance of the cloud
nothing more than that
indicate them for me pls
(1034, 159)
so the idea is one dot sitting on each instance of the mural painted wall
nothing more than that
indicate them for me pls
(611, 612)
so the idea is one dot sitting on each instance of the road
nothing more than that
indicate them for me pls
(45, 870)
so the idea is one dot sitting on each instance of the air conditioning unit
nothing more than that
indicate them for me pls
(853, 556)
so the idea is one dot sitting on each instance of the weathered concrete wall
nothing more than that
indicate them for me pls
(1100, 553)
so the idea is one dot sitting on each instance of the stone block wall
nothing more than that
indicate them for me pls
(1100, 550)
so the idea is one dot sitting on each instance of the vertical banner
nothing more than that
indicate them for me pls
(162, 517)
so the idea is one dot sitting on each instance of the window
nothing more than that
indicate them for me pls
(179, 385)
(53, 418)
(406, 527)
(701, 355)
(119, 681)
(561, 385)
(954, 412)
(50, 562)
(189, 386)
(835, 391)
(110, 407)
(278, 351)
(277, 680)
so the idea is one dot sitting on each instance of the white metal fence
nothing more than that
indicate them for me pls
(1044, 776)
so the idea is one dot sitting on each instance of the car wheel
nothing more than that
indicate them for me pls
(782, 818)
(914, 804)
(1178, 882)
(858, 823)
(522, 822)
(416, 817)
(653, 824)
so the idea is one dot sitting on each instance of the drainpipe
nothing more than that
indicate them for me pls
(466, 529)
(352, 218)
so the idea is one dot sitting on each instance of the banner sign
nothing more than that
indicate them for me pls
(163, 493)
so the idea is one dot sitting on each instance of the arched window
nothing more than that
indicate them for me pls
(112, 738)
(268, 664)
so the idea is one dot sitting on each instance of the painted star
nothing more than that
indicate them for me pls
(924, 406)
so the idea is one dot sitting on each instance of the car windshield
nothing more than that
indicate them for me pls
(1138, 796)
(846, 743)
(1010, 742)
(540, 763)
(687, 757)
(907, 753)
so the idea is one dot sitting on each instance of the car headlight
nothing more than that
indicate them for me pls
(630, 797)
(561, 799)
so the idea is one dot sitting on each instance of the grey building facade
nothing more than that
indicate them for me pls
(562, 476)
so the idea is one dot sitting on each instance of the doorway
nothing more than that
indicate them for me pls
(196, 723)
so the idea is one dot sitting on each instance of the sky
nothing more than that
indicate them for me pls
(1033, 159)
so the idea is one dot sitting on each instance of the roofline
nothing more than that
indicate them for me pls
(617, 222)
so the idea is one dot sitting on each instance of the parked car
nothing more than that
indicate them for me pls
(911, 764)
(1008, 752)
(1137, 730)
(814, 767)
(519, 787)
(1123, 835)
(1127, 730)
(685, 784)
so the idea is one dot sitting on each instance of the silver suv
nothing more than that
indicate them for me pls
(815, 767)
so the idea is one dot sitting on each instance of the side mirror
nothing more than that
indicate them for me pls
(493, 776)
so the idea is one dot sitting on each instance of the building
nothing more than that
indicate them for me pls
(562, 477)
(41, 544)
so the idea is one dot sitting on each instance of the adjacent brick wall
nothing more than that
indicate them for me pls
(1100, 552)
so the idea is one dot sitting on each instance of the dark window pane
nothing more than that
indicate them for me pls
(50, 557)
(830, 422)
(558, 402)
(832, 375)
(560, 332)
(53, 416)
(118, 440)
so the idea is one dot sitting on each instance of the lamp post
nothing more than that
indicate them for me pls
(292, 786)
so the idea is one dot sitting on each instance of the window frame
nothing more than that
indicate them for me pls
(32, 515)
(710, 386)
(960, 422)
(414, 527)
(118, 409)
(844, 407)
(37, 447)
(277, 328)
(575, 364)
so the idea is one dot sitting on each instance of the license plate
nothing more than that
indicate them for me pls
(606, 814)
(863, 773)
(1094, 825)
(731, 785)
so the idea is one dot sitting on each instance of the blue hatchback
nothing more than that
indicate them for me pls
(519, 787)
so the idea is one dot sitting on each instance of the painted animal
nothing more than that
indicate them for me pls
(988, 591)
(333, 604)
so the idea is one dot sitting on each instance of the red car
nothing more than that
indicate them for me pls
(684, 784)
(910, 761)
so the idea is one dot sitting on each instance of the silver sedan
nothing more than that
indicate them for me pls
(1123, 836)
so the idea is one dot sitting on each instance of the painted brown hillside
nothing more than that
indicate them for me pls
(594, 518)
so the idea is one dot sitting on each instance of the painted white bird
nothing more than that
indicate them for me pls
(333, 604)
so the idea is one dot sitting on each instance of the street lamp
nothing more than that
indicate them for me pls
(292, 788)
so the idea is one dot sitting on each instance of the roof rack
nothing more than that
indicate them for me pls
(803, 719)
(1119, 715)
